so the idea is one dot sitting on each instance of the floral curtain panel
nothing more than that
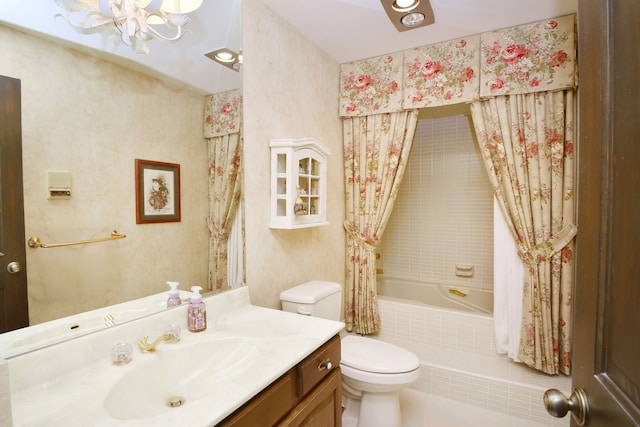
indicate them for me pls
(376, 151)
(222, 124)
(527, 145)
(225, 190)
(442, 73)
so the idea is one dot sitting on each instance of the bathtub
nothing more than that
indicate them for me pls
(453, 337)
(444, 296)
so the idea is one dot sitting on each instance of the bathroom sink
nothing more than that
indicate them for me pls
(177, 375)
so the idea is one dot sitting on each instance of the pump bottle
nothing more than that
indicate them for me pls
(197, 312)
(174, 296)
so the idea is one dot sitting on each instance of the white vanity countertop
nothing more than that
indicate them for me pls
(68, 384)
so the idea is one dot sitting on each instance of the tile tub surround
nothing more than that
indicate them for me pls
(459, 361)
(41, 386)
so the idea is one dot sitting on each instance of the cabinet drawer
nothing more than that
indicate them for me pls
(315, 368)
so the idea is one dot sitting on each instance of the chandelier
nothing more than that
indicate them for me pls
(132, 22)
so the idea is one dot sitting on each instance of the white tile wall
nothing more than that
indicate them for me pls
(444, 211)
(459, 361)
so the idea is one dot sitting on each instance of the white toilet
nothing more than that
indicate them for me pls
(373, 371)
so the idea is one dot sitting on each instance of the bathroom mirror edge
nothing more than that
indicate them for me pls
(96, 229)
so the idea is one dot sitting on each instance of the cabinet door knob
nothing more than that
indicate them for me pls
(325, 364)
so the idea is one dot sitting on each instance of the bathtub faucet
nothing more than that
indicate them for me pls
(457, 292)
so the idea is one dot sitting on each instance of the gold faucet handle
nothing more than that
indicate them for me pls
(171, 335)
(147, 347)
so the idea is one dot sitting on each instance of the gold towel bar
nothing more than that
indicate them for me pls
(34, 242)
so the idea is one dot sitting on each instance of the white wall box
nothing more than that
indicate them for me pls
(298, 183)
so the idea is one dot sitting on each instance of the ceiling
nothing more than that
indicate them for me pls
(350, 30)
(216, 24)
(347, 30)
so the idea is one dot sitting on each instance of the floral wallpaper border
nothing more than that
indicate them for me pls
(222, 113)
(528, 58)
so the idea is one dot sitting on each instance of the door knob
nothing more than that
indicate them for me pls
(558, 405)
(14, 267)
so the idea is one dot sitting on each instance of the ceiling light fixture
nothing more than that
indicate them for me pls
(132, 22)
(405, 5)
(226, 57)
(412, 19)
(409, 14)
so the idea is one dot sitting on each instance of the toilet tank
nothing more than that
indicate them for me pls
(316, 298)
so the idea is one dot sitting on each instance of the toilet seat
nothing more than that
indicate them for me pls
(378, 357)
(371, 381)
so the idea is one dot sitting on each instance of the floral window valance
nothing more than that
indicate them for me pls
(529, 58)
(524, 59)
(371, 86)
(442, 73)
(222, 113)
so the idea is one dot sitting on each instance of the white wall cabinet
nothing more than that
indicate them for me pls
(298, 183)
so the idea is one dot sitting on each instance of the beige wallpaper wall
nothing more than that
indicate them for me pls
(290, 90)
(92, 118)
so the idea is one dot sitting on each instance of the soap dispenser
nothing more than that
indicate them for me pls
(197, 312)
(174, 296)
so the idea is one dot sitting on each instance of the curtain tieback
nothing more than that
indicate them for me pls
(545, 250)
(367, 242)
(215, 232)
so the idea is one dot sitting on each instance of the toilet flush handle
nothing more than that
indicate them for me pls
(325, 365)
(304, 311)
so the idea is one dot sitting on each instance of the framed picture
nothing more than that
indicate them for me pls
(157, 192)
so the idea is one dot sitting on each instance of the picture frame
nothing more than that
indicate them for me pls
(157, 191)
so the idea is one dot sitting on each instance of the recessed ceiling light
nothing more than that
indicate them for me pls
(405, 5)
(409, 14)
(412, 19)
(226, 57)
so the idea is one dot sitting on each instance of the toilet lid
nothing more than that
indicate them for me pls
(371, 355)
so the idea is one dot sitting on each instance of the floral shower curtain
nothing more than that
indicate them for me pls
(376, 151)
(527, 145)
(225, 188)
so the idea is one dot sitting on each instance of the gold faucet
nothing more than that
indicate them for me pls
(171, 335)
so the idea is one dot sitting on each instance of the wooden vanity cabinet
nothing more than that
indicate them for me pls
(309, 395)
(322, 407)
